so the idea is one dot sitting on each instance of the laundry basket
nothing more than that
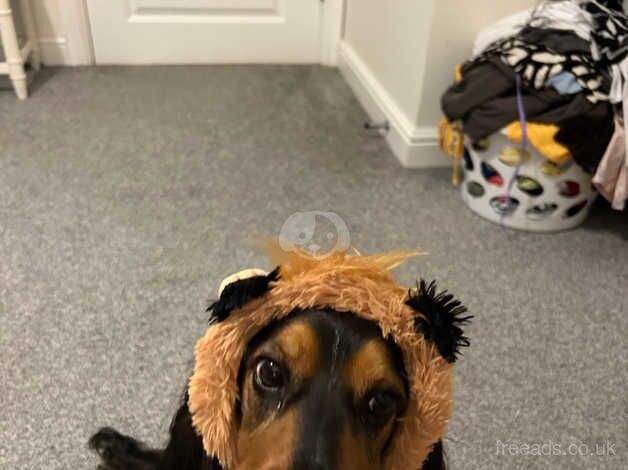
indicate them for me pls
(544, 197)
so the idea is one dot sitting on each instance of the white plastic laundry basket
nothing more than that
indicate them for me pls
(545, 196)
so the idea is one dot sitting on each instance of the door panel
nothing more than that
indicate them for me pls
(205, 31)
(207, 8)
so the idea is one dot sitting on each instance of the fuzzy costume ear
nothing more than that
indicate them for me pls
(440, 320)
(238, 290)
(239, 276)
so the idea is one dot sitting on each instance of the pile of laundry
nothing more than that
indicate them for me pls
(569, 61)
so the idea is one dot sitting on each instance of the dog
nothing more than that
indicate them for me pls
(318, 388)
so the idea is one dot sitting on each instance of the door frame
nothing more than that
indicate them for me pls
(331, 30)
(78, 33)
(81, 47)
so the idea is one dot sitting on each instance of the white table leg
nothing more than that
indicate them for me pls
(31, 33)
(12, 50)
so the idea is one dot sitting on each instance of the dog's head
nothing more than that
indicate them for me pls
(326, 364)
(319, 390)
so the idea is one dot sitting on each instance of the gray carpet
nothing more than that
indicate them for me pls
(127, 194)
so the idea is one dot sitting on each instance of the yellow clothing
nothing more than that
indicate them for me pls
(541, 136)
(458, 72)
(451, 141)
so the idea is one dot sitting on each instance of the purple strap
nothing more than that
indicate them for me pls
(524, 145)
(522, 114)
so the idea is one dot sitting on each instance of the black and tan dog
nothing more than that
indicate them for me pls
(319, 365)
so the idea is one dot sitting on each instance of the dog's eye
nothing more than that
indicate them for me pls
(268, 375)
(380, 407)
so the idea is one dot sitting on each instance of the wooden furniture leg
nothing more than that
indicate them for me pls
(12, 51)
(31, 33)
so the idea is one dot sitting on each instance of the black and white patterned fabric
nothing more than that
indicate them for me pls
(610, 30)
(536, 63)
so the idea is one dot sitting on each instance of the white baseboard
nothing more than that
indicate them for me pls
(54, 51)
(414, 146)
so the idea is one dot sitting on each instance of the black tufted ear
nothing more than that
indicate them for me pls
(239, 293)
(441, 318)
(436, 459)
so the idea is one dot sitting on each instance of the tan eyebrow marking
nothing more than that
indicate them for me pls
(372, 365)
(299, 346)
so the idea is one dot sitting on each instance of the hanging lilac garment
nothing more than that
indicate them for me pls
(611, 177)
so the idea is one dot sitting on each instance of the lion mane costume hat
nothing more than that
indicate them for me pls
(424, 324)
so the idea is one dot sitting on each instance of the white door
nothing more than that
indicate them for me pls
(205, 31)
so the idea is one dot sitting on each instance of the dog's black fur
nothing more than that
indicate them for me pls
(440, 322)
(185, 451)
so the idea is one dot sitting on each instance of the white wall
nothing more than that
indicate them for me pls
(399, 56)
(63, 33)
(451, 37)
(390, 36)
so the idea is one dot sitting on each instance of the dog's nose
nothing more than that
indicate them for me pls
(318, 450)
(318, 455)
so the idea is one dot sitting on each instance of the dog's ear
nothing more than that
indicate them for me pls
(185, 447)
(236, 294)
(436, 459)
(440, 318)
